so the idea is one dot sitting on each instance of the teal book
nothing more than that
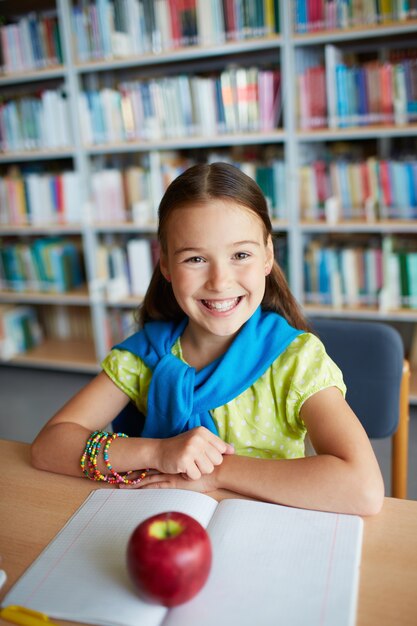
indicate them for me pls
(41, 255)
(13, 268)
(277, 16)
(63, 262)
(404, 278)
(265, 180)
(411, 263)
(105, 14)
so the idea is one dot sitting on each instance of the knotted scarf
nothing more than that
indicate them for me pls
(180, 397)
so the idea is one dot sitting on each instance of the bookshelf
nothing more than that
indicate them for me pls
(167, 100)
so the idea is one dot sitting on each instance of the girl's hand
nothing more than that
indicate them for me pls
(194, 453)
(205, 484)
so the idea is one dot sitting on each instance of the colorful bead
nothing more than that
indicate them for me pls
(88, 461)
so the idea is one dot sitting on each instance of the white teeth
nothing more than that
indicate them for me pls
(224, 305)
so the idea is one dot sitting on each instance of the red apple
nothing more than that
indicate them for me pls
(169, 557)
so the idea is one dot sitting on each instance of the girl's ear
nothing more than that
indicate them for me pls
(163, 264)
(269, 256)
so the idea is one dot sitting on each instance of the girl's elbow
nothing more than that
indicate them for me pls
(371, 495)
(37, 456)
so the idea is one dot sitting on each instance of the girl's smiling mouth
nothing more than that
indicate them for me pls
(221, 305)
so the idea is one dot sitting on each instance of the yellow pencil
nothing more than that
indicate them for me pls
(25, 617)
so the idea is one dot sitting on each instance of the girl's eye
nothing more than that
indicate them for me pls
(195, 259)
(241, 255)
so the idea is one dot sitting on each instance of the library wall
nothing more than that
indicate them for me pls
(104, 102)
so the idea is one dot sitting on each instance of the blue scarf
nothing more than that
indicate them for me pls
(179, 397)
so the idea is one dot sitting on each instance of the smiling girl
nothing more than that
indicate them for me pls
(224, 369)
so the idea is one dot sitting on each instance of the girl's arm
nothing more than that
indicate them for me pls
(343, 477)
(60, 444)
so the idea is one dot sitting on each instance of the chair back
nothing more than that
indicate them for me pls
(371, 356)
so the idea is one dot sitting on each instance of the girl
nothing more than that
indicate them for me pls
(224, 369)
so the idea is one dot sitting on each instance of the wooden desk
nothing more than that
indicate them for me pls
(34, 505)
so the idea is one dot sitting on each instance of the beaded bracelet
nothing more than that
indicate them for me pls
(90, 454)
(120, 478)
(88, 461)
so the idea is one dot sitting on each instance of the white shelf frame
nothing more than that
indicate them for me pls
(289, 137)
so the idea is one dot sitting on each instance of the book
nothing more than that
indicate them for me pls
(411, 261)
(140, 265)
(19, 330)
(266, 558)
(390, 297)
(333, 60)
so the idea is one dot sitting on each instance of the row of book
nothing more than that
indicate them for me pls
(374, 92)
(122, 28)
(367, 190)
(24, 327)
(30, 42)
(20, 330)
(66, 322)
(331, 189)
(125, 269)
(38, 121)
(315, 15)
(48, 264)
(40, 198)
(36, 198)
(131, 194)
(382, 275)
(345, 91)
(238, 99)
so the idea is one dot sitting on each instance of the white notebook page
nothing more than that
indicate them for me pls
(271, 565)
(278, 565)
(82, 574)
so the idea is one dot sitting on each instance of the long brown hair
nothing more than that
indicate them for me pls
(200, 184)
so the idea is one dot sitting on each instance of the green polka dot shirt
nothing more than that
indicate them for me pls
(263, 421)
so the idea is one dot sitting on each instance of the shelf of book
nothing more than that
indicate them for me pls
(190, 53)
(36, 155)
(90, 65)
(60, 354)
(125, 227)
(128, 302)
(353, 33)
(151, 227)
(360, 226)
(50, 73)
(40, 229)
(357, 133)
(188, 143)
(74, 297)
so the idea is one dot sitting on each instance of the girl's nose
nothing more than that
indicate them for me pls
(218, 277)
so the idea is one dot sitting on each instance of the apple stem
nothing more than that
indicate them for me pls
(167, 525)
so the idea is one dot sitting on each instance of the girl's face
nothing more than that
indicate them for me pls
(217, 261)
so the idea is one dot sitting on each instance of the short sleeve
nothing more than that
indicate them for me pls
(312, 370)
(129, 373)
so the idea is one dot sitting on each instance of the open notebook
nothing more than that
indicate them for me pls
(271, 564)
